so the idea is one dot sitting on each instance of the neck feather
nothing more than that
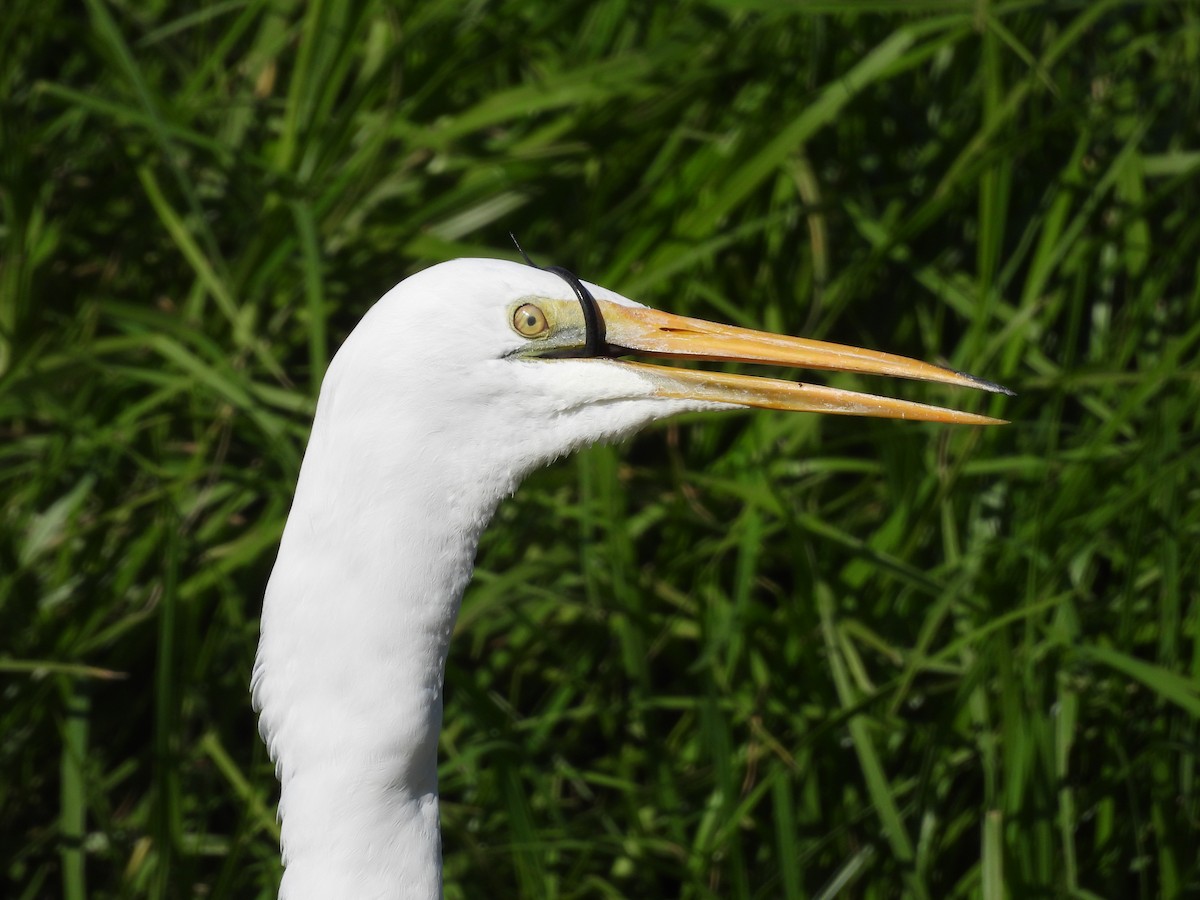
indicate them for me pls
(348, 679)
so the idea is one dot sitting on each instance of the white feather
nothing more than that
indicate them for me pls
(424, 424)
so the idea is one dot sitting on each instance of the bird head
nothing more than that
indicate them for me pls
(496, 365)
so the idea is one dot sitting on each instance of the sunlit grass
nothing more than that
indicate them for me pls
(742, 656)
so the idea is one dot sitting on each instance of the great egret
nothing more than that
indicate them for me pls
(458, 382)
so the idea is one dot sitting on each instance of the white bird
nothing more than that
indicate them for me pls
(456, 384)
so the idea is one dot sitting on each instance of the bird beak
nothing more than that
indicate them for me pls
(649, 332)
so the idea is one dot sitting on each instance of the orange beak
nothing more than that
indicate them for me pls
(649, 332)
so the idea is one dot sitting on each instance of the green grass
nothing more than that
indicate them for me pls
(742, 656)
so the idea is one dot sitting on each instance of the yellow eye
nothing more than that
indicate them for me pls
(530, 321)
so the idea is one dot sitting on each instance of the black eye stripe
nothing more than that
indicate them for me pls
(594, 339)
(593, 321)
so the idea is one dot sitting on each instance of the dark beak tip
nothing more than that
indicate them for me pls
(984, 384)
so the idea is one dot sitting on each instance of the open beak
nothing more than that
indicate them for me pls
(649, 332)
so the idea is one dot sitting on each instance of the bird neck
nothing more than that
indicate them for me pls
(356, 624)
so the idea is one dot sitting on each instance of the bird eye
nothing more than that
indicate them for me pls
(530, 321)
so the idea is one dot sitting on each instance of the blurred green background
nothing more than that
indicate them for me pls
(758, 655)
